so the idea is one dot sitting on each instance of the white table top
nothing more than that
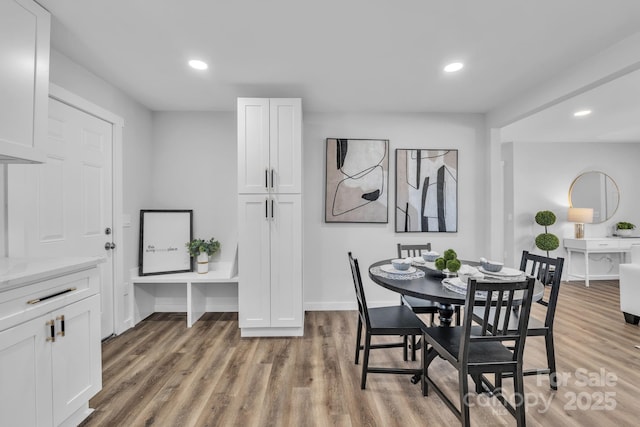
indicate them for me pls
(16, 272)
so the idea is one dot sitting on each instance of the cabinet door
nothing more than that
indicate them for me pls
(285, 129)
(254, 218)
(24, 78)
(254, 172)
(25, 375)
(76, 357)
(286, 261)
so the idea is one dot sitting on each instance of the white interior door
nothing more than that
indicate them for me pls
(64, 207)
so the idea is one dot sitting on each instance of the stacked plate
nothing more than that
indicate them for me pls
(504, 274)
(388, 268)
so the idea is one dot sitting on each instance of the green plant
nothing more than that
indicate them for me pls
(450, 254)
(197, 246)
(453, 265)
(449, 261)
(546, 241)
(622, 225)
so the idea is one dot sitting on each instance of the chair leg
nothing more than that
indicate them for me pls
(365, 359)
(458, 321)
(405, 347)
(413, 348)
(423, 358)
(464, 397)
(358, 339)
(518, 388)
(551, 361)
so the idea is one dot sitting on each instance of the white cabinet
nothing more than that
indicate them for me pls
(269, 145)
(270, 217)
(50, 348)
(270, 257)
(24, 80)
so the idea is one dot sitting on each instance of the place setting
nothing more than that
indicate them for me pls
(399, 269)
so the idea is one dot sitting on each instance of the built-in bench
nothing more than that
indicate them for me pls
(193, 285)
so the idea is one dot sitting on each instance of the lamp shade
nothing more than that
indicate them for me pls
(580, 215)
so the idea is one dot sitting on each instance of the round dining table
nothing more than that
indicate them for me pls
(430, 287)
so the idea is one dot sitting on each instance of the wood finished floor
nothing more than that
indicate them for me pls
(162, 374)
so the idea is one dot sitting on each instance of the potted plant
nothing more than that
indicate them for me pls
(624, 228)
(546, 241)
(202, 250)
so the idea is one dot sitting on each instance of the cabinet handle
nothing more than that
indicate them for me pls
(52, 331)
(271, 178)
(266, 208)
(266, 178)
(272, 214)
(61, 319)
(37, 300)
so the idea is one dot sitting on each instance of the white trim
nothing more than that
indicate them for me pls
(60, 94)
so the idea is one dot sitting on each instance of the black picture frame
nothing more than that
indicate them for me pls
(426, 190)
(357, 180)
(163, 238)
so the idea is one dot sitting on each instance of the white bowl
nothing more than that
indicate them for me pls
(492, 266)
(430, 256)
(400, 264)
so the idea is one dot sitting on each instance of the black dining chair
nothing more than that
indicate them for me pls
(478, 350)
(381, 321)
(418, 305)
(549, 272)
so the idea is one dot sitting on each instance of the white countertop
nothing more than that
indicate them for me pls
(15, 272)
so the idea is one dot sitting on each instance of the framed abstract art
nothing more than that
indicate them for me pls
(357, 177)
(426, 190)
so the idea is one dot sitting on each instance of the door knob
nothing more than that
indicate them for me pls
(109, 245)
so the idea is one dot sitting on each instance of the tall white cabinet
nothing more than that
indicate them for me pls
(270, 217)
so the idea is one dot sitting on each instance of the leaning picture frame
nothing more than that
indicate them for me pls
(163, 238)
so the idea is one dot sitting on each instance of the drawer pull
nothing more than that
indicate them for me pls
(37, 300)
(61, 319)
(52, 331)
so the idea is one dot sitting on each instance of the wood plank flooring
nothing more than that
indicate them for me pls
(162, 374)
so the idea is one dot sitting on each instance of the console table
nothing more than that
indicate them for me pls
(586, 246)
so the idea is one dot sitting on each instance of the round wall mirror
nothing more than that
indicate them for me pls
(595, 190)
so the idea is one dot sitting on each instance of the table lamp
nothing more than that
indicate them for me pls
(580, 216)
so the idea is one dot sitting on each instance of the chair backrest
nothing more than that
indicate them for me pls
(357, 283)
(549, 272)
(412, 250)
(508, 294)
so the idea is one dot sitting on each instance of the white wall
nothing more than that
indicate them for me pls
(327, 278)
(542, 175)
(137, 149)
(194, 167)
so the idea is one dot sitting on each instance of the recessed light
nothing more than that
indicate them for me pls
(198, 65)
(453, 67)
(582, 113)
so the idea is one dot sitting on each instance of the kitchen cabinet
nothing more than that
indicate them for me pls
(269, 145)
(270, 288)
(24, 80)
(50, 347)
(270, 259)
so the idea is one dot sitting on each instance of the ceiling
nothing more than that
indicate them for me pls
(339, 56)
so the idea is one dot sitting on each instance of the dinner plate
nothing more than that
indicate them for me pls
(388, 268)
(505, 272)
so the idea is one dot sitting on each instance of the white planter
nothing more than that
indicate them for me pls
(203, 262)
(625, 232)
